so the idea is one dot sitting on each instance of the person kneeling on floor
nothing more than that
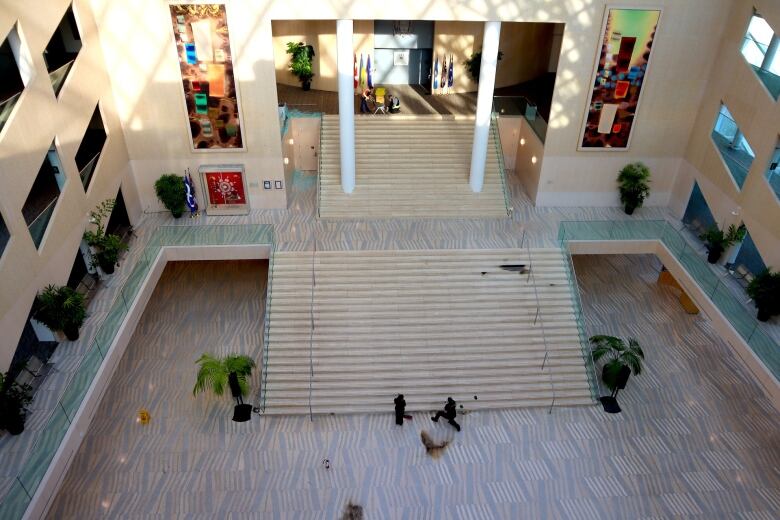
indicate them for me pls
(449, 413)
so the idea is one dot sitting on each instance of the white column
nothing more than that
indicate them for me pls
(487, 80)
(345, 63)
(771, 52)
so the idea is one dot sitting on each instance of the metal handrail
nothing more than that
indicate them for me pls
(267, 326)
(58, 75)
(319, 167)
(6, 107)
(500, 153)
(540, 317)
(87, 175)
(37, 235)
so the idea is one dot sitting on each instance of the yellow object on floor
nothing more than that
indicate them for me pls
(143, 416)
(666, 278)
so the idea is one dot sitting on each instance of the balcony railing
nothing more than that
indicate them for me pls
(87, 171)
(737, 155)
(6, 107)
(38, 226)
(26, 482)
(754, 53)
(729, 304)
(521, 106)
(58, 76)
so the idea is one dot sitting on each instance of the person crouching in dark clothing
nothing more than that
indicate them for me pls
(449, 413)
(400, 408)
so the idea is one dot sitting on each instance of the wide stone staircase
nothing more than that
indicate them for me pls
(409, 166)
(428, 324)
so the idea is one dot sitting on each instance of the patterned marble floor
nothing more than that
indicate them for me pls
(696, 439)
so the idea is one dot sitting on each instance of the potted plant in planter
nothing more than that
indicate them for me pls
(301, 63)
(14, 399)
(765, 291)
(474, 64)
(633, 185)
(105, 247)
(214, 373)
(61, 308)
(171, 192)
(717, 241)
(621, 359)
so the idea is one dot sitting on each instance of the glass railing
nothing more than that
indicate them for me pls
(319, 169)
(754, 52)
(499, 151)
(733, 148)
(694, 262)
(87, 171)
(267, 328)
(521, 106)
(38, 226)
(58, 76)
(26, 482)
(6, 107)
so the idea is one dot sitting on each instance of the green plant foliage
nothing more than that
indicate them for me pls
(301, 60)
(14, 399)
(474, 64)
(633, 184)
(764, 289)
(617, 355)
(60, 307)
(171, 192)
(717, 239)
(106, 246)
(213, 372)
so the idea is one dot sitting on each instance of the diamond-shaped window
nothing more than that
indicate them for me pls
(91, 145)
(773, 171)
(62, 49)
(5, 236)
(45, 192)
(761, 49)
(732, 145)
(11, 84)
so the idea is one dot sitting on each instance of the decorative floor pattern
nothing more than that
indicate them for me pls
(696, 439)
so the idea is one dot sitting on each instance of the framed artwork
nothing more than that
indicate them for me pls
(224, 187)
(401, 58)
(620, 72)
(205, 60)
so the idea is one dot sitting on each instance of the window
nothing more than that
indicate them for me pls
(732, 145)
(761, 48)
(5, 236)
(43, 196)
(773, 171)
(91, 145)
(11, 84)
(62, 49)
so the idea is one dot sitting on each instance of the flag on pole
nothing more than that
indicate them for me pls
(362, 74)
(444, 74)
(368, 68)
(451, 74)
(354, 57)
(189, 190)
(436, 73)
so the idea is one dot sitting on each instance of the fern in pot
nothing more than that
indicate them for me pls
(301, 62)
(105, 247)
(14, 399)
(717, 241)
(171, 192)
(61, 308)
(634, 186)
(765, 291)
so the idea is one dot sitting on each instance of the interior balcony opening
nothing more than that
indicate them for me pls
(44, 194)
(773, 172)
(760, 48)
(734, 148)
(62, 50)
(88, 154)
(11, 84)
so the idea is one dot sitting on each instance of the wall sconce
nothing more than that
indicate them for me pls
(286, 160)
(291, 141)
(522, 141)
(533, 160)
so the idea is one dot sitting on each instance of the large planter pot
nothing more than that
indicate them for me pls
(763, 315)
(14, 425)
(629, 209)
(306, 85)
(72, 333)
(177, 214)
(106, 265)
(714, 253)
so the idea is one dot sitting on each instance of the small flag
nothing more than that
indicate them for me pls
(362, 76)
(451, 75)
(436, 74)
(368, 68)
(444, 74)
(189, 189)
(354, 56)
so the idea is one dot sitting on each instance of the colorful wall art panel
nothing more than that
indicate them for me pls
(225, 190)
(203, 45)
(620, 73)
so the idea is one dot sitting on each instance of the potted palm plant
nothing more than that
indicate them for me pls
(171, 192)
(105, 247)
(214, 373)
(301, 62)
(61, 308)
(14, 399)
(717, 241)
(634, 187)
(621, 359)
(765, 291)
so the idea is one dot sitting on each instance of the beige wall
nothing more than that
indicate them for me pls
(39, 119)
(321, 34)
(758, 116)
